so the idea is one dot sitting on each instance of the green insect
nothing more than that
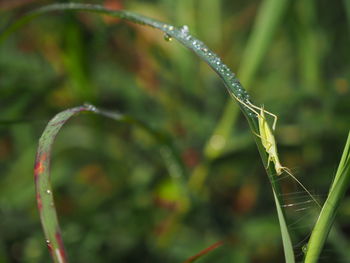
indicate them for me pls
(269, 142)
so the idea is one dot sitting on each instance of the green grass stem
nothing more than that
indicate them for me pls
(330, 207)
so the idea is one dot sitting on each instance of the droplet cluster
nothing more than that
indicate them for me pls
(90, 107)
(167, 37)
(184, 30)
(233, 85)
(167, 28)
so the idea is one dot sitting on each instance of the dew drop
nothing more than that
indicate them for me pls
(251, 114)
(90, 107)
(167, 37)
(48, 241)
(48, 191)
(198, 44)
(188, 37)
(237, 86)
(304, 248)
(184, 30)
(171, 28)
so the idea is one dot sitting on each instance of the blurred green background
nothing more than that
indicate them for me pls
(115, 197)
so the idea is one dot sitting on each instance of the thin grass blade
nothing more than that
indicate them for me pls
(326, 218)
(287, 243)
(44, 193)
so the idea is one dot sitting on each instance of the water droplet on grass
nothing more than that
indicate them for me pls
(304, 248)
(188, 37)
(167, 37)
(184, 30)
(48, 191)
(90, 107)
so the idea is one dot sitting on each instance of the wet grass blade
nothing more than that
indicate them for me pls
(326, 218)
(183, 35)
(267, 22)
(44, 193)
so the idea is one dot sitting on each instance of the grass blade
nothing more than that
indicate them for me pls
(43, 188)
(44, 194)
(326, 218)
(287, 243)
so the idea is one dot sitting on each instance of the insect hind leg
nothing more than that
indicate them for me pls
(247, 104)
(275, 118)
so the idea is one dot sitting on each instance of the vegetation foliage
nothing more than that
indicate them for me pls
(184, 179)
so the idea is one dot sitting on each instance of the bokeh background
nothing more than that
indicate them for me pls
(116, 197)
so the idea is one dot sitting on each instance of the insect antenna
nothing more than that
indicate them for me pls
(285, 169)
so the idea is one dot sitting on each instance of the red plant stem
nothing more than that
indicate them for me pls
(204, 251)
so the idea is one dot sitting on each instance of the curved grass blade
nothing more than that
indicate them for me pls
(182, 34)
(44, 194)
(326, 218)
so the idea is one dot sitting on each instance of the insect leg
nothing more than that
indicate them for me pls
(275, 118)
(245, 104)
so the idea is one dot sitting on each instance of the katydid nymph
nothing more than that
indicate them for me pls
(269, 143)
